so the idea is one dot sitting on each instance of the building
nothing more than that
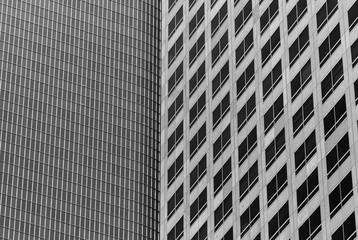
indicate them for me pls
(259, 129)
(80, 119)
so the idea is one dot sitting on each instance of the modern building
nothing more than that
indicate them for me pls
(79, 119)
(259, 122)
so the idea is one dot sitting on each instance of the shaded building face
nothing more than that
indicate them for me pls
(79, 117)
(259, 121)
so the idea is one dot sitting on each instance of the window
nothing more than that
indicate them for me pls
(221, 143)
(246, 147)
(325, 13)
(305, 152)
(270, 47)
(197, 49)
(340, 195)
(219, 19)
(245, 79)
(354, 53)
(329, 45)
(278, 222)
(258, 237)
(175, 50)
(244, 48)
(196, 20)
(220, 79)
(177, 231)
(175, 108)
(335, 117)
(229, 235)
(213, 3)
(277, 185)
(337, 155)
(175, 138)
(197, 78)
(221, 110)
(222, 176)
(268, 16)
(272, 79)
(175, 78)
(175, 169)
(202, 234)
(250, 216)
(246, 112)
(171, 4)
(198, 173)
(243, 17)
(299, 82)
(222, 211)
(296, 14)
(356, 91)
(353, 16)
(311, 227)
(273, 113)
(219, 49)
(303, 115)
(197, 109)
(276, 147)
(332, 80)
(248, 181)
(175, 201)
(299, 46)
(347, 231)
(175, 22)
(307, 190)
(198, 140)
(191, 3)
(198, 206)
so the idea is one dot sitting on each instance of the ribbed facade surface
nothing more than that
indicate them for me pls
(79, 119)
(259, 119)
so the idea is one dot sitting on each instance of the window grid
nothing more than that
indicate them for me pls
(222, 143)
(220, 79)
(274, 150)
(175, 169)
(244, 48)
(303, 115)
(249, 180)
(276, 185)
(273, 114)
(243, 17)
(325, 13)
(299, 46)
(307, 190)
(305, 152)
(175, 22)
(329, 45)
(246, 112)
(300, 81)
(222, 177)
(247, 146)
(268, 16)
(175, 79)
(340, 195)
(332, 80)
(270, 47)
(197, 173)
(221, 110)
(219, 19)
(196, 20)
(296, 14)
(219, 49)
(271, 80)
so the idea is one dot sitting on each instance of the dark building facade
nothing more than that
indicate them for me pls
(79, 119)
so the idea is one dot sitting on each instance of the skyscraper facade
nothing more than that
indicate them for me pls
(79, 119)
(259, 121)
